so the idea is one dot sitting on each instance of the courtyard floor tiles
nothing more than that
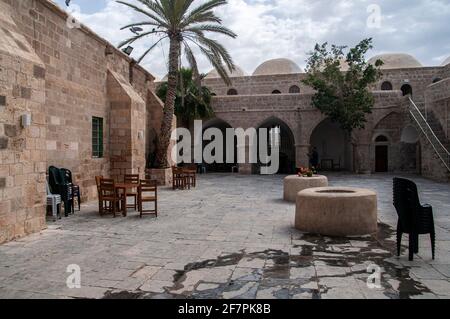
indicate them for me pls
(232, 237)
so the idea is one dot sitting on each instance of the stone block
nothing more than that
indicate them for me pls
(25, 92)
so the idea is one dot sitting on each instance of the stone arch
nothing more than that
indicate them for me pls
(287, 144)
(407, 89)
(333, 146)
(388, 122)
(402, 149)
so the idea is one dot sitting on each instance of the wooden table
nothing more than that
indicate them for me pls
(125, 187)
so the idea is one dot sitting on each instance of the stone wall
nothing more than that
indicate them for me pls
(255, 103)
(22, 148)
(63, 77)
(77, 63)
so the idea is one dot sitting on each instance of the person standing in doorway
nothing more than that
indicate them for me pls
(314, 158)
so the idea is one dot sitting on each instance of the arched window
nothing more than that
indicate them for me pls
(381, 139)
(407, 90)
(294, 89)
(276, 92)
(232, 92)
(387, 86)
(436, 80)
(213, 94)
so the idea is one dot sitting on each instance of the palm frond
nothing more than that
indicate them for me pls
(212, 28)
(205, 7)
(135, 38)
(150, 49)
(192, 62)
(217, 63)
(148, 14)
(206, 17)
(218, 49)
(139, 24)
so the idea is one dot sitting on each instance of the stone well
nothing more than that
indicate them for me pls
(337, 211)
(294, 184)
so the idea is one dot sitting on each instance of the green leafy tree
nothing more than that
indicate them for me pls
(192, 101)
(185, 27)
(344, 97)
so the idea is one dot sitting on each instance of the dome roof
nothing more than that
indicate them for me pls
(447, 61)
(213, 74)
(277, 66)
(396, 61)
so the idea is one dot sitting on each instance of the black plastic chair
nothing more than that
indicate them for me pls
(414, 219)
(76, 193)
(60, 186)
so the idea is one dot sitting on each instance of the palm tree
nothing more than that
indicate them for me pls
(185, 28)
(192, 101)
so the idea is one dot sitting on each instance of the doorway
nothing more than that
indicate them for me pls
(381, 158)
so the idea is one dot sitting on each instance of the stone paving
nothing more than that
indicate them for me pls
(231, 237)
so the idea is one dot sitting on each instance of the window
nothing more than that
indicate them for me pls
(232, 92)
(276, 92)
(407, 90)
(97, 137)
(386, 86)
(294, 89)
(436, 80)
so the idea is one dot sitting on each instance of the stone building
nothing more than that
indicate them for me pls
(392, 141)
(69, 98)
(93, 110)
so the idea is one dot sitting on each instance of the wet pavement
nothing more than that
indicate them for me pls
(232, 237)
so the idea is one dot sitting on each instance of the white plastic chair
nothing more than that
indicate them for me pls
(55, 202)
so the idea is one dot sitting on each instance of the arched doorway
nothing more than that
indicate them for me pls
(280, 133)
(333, 146)
(381, 154)
(222, 166)
(407, 90)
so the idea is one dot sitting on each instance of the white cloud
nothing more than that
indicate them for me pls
(290, 28)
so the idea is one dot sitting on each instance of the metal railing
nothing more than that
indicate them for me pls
(439, 148)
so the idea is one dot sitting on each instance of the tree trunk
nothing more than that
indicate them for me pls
(169, 105)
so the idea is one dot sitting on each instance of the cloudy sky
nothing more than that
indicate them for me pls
(270, 29)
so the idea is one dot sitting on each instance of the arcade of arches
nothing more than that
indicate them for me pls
(395, 147)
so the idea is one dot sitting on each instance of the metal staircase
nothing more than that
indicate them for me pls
(424, 125)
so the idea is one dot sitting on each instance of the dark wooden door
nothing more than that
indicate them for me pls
(381, 159)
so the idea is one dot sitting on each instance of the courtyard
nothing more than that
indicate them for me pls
(232, 237)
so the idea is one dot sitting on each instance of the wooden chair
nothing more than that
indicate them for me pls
(148, 192)
(179, 178)
(191, 175)
(100, 204)
(132, 179)
(109, 198)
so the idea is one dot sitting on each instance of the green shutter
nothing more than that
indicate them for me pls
(97, 137)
